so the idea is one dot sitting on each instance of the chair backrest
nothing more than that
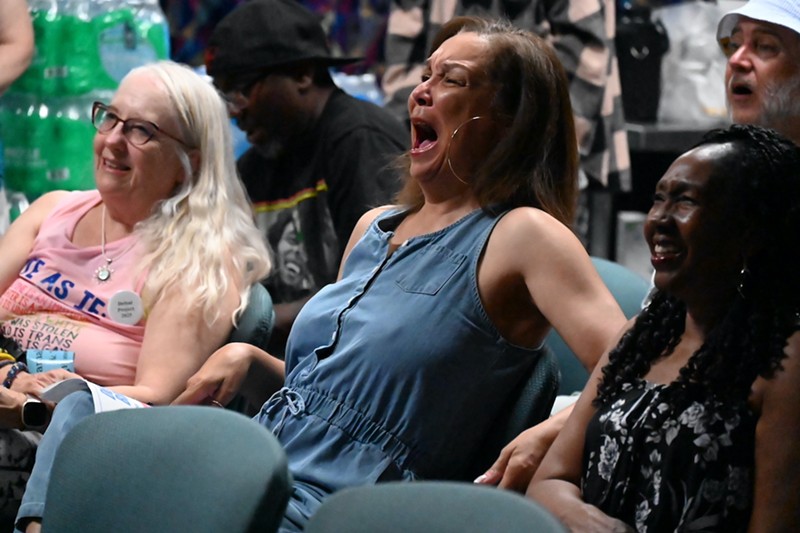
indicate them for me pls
(629, 289)
(529, 405)
(255, 324)
(167, 469)
(428, 506)
(253, 327)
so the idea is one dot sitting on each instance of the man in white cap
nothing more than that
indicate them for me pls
(762, 80)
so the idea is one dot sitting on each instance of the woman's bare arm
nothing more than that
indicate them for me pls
(556, 484)
(776, 505)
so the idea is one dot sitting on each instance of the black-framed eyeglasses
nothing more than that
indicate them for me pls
(137, 131)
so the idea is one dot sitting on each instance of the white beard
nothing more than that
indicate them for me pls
(781, 108)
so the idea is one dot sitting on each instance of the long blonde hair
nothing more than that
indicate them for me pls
(205, 231)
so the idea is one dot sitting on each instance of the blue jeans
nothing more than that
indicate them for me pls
(67, 414)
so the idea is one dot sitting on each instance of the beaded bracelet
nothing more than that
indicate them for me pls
(16, 368)
(4, 364)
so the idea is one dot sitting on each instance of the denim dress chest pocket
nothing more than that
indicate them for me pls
(429, 269)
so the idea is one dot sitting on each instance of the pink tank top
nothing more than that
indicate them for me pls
(58, 303)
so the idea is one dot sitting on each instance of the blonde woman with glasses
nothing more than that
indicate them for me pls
(140, 280)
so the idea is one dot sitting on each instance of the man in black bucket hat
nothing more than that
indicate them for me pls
(319, 156)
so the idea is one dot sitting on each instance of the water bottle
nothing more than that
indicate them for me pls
(43, 75)
(83, 50)
(48, 145)
(133, 33)
(153, 25)
(83, 68)
(28, 134)
(71, 160)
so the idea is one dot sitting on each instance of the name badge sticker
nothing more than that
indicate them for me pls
(126, 307)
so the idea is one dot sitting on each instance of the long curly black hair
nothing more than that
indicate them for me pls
(763, 174)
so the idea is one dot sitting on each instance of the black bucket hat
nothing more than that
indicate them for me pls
(262, 34)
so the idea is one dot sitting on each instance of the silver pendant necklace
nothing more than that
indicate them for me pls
(103, 272)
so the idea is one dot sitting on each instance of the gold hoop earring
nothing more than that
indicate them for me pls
(449, 146)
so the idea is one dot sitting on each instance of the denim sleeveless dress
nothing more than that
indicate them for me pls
(395, 372)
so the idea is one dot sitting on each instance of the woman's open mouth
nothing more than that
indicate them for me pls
(663, 252)
(424, 137)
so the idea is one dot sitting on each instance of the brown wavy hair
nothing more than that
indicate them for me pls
(535, 163)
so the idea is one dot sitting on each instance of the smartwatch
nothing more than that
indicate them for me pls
(34, 414)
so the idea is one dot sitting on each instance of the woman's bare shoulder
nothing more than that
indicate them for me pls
(530, 230)
(48, 201)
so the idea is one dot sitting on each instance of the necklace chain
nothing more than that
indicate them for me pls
(103, 272)
(103, 235)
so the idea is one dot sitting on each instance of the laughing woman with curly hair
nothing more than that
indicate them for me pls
(692, 422)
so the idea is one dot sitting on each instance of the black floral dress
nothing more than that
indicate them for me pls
(657, 469)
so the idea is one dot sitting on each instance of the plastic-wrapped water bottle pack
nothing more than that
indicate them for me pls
(83, 49)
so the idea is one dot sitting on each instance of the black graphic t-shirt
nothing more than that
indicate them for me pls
(308, 200)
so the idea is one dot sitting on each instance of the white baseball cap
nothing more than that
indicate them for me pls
(784, 13)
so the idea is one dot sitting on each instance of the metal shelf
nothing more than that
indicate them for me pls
(666, 137)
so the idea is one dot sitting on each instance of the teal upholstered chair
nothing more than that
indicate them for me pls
(255, 324)
(167, 469)
(430, 506)
(629, 289)
(529, 404)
